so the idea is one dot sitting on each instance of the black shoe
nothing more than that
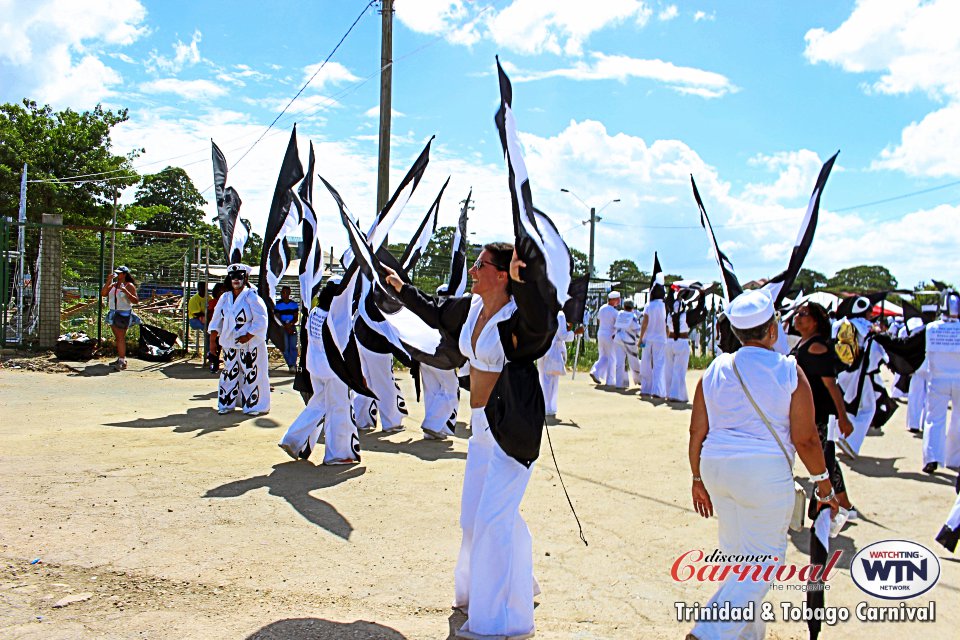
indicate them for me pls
(930, 467)
(948, 538)
(595, 378)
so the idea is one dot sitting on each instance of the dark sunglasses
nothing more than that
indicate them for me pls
(479, 265)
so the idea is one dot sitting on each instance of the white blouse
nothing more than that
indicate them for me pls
(488, 355)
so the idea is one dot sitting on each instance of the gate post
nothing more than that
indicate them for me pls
(51, 266)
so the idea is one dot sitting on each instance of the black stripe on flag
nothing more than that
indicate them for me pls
(394, 207)
(421, 239)
(728, 279)
(233, 232)
(533, 243)
(284, 217)
(780, 285)
(311, 262)
(457, 284)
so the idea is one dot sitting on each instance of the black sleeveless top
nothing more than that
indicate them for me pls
(817, 366)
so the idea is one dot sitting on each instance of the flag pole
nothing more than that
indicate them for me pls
(576, 355)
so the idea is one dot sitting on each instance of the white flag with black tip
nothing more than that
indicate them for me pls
(457, 284)
(531, 236)
(394, 207)
(728, 279)
(780, 285)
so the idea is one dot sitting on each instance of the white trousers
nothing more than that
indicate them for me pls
(551, 391)
(651, 369)
(629, 351)
(675, 371)
(441, 399)
(328, 410)
(940, 444)
(753, 499)
(605, 366)
(916, 401)
(389, 405)
(494, 574)
(953, 520)
(245, 378)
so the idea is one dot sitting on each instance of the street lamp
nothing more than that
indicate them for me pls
(594, 219)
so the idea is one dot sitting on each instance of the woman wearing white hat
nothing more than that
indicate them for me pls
(752, 410)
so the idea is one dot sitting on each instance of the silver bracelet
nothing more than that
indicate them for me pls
(827, 498)
(820, 476)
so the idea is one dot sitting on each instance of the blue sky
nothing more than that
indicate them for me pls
(614, 99)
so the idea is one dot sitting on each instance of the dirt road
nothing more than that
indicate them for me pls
(164, 520)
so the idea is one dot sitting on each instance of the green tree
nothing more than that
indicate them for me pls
(58, 146)
(862, 278)
(580, 263)
(629, 275)
(173, 190)
(809, 280)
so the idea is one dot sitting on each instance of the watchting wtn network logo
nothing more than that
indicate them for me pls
(895, 569)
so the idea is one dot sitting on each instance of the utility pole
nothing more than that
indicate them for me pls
(113, 241)
(593, 225)
(386, 89)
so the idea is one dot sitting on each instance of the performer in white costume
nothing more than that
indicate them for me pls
(605, 369)
(441, 395)
(858, 382)
(239, 324)
(917, 394)
(328, 409)
(677, 348)
(389, 406)
(553, 365)
(627, 337)
(653, 341)
(941, 445)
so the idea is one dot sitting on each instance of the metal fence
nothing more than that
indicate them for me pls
(51, 277)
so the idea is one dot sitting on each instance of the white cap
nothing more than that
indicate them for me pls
(613, 295)
(750, 309)
(237, 266)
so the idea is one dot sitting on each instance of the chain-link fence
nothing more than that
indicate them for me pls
(51, 277)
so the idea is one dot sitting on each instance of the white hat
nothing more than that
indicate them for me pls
(613, 295)
(750, 309)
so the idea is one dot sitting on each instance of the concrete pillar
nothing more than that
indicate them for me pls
(51, 280)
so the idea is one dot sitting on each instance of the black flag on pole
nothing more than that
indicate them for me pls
(233, 232)
(284, 218)
(781, 284)
(311, 262)
(574, 307)
(457, 284)
(728, 279)
(418, 244)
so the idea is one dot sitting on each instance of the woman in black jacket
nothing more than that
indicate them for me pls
(502, 328)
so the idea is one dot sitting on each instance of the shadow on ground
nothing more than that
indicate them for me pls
(887, 468)
(414, 445)
(320, 629)
(202, 420)
(294, 481)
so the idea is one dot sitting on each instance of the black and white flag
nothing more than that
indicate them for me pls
(283, 220)
(537, 238)
(457, 285)
(728, 278)
(421, 239)
(780, 285)
(311, 262)
(232, 230)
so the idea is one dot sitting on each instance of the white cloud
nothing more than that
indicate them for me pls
(688, 80)
(202, 90)
(374, 112)
(668, 13)
(915, 47)
(797, 171)
(703, 15)
(184, 55)
(524, 26)
(332, 73)
(50, 50)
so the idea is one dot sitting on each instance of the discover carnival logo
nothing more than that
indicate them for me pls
(895, 569)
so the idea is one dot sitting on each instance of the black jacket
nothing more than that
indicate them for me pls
(515, 409)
